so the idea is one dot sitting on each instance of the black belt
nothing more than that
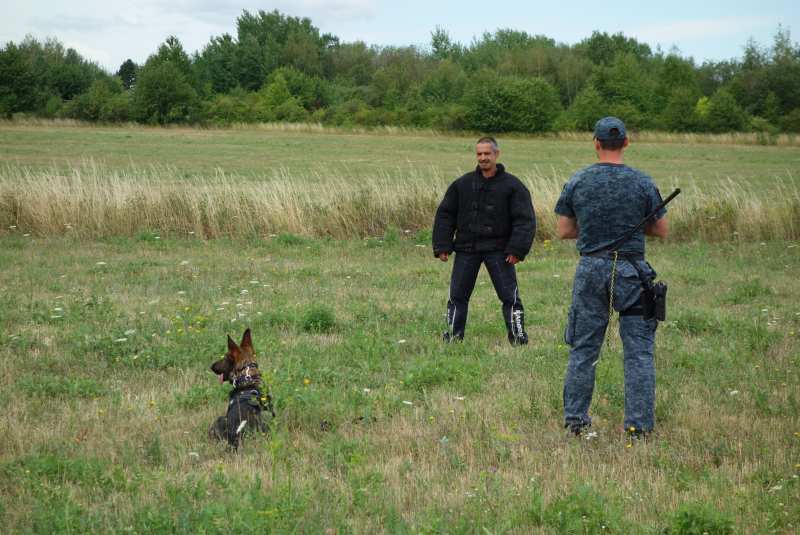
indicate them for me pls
(610, 255)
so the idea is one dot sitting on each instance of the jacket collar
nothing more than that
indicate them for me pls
(500, 170)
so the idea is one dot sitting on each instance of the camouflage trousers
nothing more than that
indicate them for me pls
(586, 330)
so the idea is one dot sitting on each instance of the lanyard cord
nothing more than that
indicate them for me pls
(611, 301)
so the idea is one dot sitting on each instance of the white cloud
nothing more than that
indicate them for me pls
(320, 11)
(687, 30)
(100, 56)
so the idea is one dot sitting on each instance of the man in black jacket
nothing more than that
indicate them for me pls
(491, 215)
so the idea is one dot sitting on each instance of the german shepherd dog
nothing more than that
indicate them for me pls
(249, 407)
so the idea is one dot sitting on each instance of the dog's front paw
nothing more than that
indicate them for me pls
(219, 429)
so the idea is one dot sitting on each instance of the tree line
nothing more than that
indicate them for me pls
(281, 68)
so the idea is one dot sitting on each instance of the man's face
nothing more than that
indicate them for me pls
(486, 156)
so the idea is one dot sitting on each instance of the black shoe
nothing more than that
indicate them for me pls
(576, 431)
(454, 338)
(518, 340)
(639, 434)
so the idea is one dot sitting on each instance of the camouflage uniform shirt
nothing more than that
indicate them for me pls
(609, 200)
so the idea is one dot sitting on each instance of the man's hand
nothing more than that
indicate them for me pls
(512, 259)
(444, 257)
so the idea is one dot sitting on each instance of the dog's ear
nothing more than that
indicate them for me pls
(233, 350)
(247, 341)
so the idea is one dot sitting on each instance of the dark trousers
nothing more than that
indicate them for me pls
(466, 266)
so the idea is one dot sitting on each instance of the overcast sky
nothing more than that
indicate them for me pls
(110, 32)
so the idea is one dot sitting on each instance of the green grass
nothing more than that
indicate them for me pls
(107, 400)
(254, 153)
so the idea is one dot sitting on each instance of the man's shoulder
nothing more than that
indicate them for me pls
(466, 177)
(603, 170)
(512, 179)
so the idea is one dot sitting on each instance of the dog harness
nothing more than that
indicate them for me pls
(239, 380)
(253, 397)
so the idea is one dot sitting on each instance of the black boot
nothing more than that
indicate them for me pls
(452, 338)
(517, 335)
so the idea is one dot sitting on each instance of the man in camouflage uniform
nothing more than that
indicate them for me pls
(599, 205)
(486, 217)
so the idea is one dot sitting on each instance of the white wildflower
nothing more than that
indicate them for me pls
(401, 341)
(408, 402)
(184, 262)
(734, 392)
(121, 340)
(130, 331)
(101, 263)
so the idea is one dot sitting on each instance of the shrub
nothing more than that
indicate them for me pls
(700, 520)
(791, 122)
(724, 114)
(284, 238)
(319, 319)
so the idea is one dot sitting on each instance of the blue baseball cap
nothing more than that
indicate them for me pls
(604, 126)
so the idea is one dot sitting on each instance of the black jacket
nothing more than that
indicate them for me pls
(485, 214)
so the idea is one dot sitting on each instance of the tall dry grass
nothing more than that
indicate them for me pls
(685, 138)
(645, 136)
(90, 200)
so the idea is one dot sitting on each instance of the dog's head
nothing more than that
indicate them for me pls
(237, 357)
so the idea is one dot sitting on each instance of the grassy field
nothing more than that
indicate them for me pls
(120, 280)
(254, 153)
(104, 372)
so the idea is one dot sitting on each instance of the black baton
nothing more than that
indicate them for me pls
(648, 216)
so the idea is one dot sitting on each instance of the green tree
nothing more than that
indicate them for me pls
(791, 122)
(276, 93)
(675, 72)
(99, 94)
(534, 105)
(310, 91)
(602, 48)
(301, 51)
(772, 108)
(783, 71)
(572, 73)
(588, 108)
(127, 73)
(255, 61)
(489, 100)
(624, 82)
(712, 75)
(679, 114)
(350, 63)
(441, 45)
(217, 64)
(17, 82)
(446, 84)
(724, 114)
(162, 94)
(67, 77)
